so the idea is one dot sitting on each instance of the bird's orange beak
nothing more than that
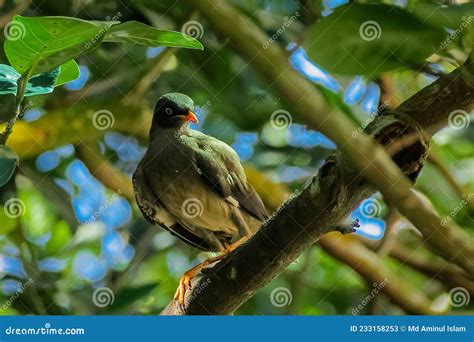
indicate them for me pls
(191, 117)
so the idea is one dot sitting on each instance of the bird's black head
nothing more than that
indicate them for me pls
(173, 111)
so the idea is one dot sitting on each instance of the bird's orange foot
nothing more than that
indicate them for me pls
(184, 283)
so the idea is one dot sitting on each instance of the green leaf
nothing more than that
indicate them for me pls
(44, 43)
(7, 223)
(38, 216)
(8, 78)
(8, 163)
(453, 16)
(42, 83)
(61, 235)
(69, 72)
(38, 84)
(139, 33)
(362, 39)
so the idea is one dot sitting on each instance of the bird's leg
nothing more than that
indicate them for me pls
(185, 281)
(230, 247)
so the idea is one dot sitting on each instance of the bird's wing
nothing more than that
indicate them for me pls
(220, 167)
(155, 213)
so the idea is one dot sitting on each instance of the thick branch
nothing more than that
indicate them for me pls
(338, 188)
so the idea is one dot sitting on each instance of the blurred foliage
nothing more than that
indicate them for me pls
(72, 235)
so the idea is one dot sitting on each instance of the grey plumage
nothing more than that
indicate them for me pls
(193, 184)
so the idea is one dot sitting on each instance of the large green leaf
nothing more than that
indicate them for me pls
(47, 42)
(38, 84)
(69, 72)
(452, 16)
(139, 33)
(8, 163)
(42, 83)
(362, 39)
(8, 78)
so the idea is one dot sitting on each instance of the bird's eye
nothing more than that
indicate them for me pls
(168, 111)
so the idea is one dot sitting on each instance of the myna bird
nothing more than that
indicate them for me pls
(194, 185)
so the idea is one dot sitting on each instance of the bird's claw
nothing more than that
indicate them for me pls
(185, 282)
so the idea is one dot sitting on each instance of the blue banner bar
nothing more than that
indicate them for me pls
(237, 328)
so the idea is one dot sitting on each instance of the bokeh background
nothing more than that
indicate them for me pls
(79, 230)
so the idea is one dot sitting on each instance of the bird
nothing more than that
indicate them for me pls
(194, 186)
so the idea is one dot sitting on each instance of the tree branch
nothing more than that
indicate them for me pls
(106, 173)
(366, 263)
(448, 274)
(338, 187)
(460, 190)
